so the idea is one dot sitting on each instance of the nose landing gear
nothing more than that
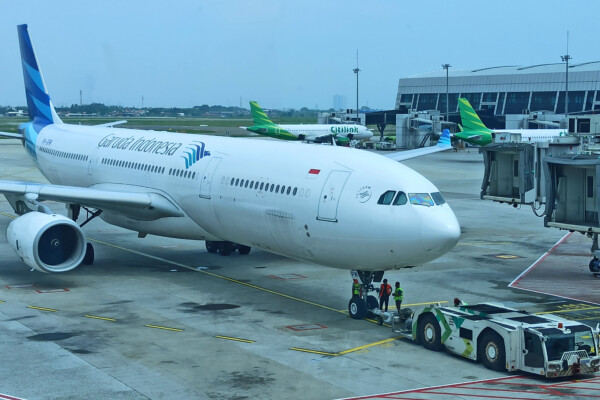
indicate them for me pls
(360, 306)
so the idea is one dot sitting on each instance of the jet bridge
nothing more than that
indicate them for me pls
(572, 189)
(513, 171)
(562, 175)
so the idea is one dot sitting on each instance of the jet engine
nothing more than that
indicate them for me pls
(47, 242)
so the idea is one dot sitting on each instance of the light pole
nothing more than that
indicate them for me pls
(446, 67)
(356, 71)
(566, 59)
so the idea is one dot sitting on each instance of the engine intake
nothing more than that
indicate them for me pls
(47, 242)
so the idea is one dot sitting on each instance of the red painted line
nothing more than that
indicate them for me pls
(488, 396)
(539, 260)
(7, 397)
(429, 388)
(544, 390)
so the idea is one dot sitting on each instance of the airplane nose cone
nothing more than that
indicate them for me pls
(440, 234)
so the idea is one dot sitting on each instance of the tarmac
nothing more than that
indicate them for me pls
(160, 318)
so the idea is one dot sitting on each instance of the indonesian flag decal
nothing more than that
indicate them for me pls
(314, 171)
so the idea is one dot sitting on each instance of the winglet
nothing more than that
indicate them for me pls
(444, 140)
(40, 108)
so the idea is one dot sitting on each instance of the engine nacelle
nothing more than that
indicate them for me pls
(47, 242)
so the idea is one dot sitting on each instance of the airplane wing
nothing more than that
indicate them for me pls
(111, 124)
(127, 199)
(11, 135)
(442, 144)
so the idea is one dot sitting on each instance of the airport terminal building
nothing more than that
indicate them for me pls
(505, 89)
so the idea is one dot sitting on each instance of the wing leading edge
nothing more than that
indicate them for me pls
(442, 145)
(125, 199)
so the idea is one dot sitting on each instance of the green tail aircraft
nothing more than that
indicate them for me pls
(342, 133)
(473, 130)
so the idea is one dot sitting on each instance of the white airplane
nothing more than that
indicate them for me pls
(334, 206)
(318, 133)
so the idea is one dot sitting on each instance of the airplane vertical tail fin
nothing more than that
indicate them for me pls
(258, 115)
(40, 108)
(470, 119)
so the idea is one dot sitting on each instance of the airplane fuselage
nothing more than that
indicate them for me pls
(297, 200)
(312, 131)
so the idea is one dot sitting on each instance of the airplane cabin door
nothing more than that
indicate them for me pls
(330, 195)
(207, 176)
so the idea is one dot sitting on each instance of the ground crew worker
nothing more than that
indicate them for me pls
(384, 295)
(398, 296)
(356, 288)
(458, 302)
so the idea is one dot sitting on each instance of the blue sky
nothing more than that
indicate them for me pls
(284, 54)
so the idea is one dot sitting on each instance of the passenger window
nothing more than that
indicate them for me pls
(237, 182)
(232, 180)
(295, 191)
(282, 189)
(277, 189)
(438, 198)
(247, 183)
(421, 199)
(262, 185)
(386, 198)
(272, 186)
(288, 190)
(400, 199)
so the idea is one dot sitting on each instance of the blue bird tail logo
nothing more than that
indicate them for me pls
(195, 152)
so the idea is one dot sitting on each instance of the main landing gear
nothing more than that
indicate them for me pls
(360, 307)
(73, 212)
(226, 248)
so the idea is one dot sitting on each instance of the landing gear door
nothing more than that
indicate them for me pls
(330, 195)
(207, 176)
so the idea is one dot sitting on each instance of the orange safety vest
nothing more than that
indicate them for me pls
(385, 287)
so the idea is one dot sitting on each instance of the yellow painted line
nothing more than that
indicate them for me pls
(164, 327)
(366, 346)
(314, 351)
(103, 318)
(1, 301)
(221, 277)
(568, 311)
(344, 352)
(42, 308)
(234, 339)
(8, 215)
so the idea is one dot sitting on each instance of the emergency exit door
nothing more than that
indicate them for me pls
(330, 195)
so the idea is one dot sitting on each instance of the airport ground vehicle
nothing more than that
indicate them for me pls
(505, 339)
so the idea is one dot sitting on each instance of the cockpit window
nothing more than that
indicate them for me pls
(438, 198)
(421, 199)
(386, 198)
(400, 199)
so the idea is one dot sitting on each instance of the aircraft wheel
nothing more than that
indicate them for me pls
(356, 308)
(212, 246)
(430, 333)
(88, 259)
(372, 302)
(226, 248)
(492, 352)
(244, 249)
